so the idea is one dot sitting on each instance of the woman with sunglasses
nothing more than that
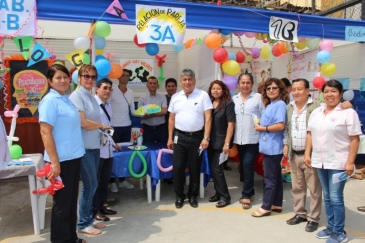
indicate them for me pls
(271, 127)
(89, 113)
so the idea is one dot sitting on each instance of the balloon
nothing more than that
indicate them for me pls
(323, 56)
(100, 77)
(100, 42)
(103, 67)
(230, 81)
(326, 45)
(231, 67)
(75, 76)
(248, 58)
(240, 57)
(226, 32)
(312, 43)
(348, 95)
(220, 55)
(266, 52)
(225, 37)
(193, 43)
(15, 151)
(213, 40)
(85, 58)
(318, 82)
(282, 47)
(116, 71)
(250, 34)
(238, 33)
(98, 57)
(135, 39)
(152, 49)
(178, 48)
(82, 42)
(102, 29)
(276, 51)
(99, 51)
(328, 69)
(233, 151)
(232, 56)
(188, 43)
(255, 52)
(259, 36)
(300, 45)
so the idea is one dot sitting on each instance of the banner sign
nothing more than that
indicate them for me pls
(18, 18)
(139, 70)
(283, 29)
(161, 25)
(354, 33)
(304, 65)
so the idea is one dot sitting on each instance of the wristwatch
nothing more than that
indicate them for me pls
(207, 138)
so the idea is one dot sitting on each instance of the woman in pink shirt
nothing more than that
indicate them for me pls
(333, 139)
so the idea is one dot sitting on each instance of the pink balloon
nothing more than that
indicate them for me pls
(230, 81)
(238, 33)
(326, 45)
(250, 34)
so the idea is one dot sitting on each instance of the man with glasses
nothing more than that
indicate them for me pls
(298, 112)
(122, 102)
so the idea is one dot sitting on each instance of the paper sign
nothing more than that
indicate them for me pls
(116, 9)
(76, 58)
(162, 25)
(223, 158)
(39, 53)
(354, 33)
(139, 70)
(283, 29)
(341, 176)
(23, 43)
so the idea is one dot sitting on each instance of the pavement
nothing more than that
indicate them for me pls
(139, 221)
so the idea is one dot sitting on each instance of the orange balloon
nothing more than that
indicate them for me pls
(188, 43)
(282, 47)
(233, 152)
(213, 41)
(116, 71)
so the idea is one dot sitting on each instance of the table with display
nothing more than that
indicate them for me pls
(153, 173)
(38, 202)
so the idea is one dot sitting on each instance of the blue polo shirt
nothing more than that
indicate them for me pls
(59, 112)
(272, 143)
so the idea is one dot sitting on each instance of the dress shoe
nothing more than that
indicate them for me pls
(361, 208)
(101, 217)
(106, 211)
(179, 203)
(311, 226)
(193, 202)
(296, 220)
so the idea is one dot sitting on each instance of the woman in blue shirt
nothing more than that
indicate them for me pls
(271, 128)
(61, 134)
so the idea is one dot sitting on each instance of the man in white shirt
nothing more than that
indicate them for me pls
(153, 124)
(122, 101)
(189, 129)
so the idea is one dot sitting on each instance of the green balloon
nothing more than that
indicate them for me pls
(15, 151)
(102, 29)
(86, 58)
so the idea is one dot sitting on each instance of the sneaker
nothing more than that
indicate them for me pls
(126, 184)
(338, 238)
(324, 234)
(113, 187)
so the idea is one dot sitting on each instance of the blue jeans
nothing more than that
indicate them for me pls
(333, 200)
(89, 178)
(248, 153)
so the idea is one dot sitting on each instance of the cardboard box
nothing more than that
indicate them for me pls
(360, 172)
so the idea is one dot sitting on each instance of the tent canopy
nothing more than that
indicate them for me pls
(201, 16)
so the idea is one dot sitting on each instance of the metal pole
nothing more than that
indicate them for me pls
(313, 6)
(363, 9)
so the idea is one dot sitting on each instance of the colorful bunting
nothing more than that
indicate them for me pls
(76, 58)
(23, 43)
(39, 53)
(116, 9)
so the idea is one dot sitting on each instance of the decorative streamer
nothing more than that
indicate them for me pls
(26, 22)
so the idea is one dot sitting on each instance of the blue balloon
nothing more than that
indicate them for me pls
(99, 57)
(100, 42)
(226, 32)
(103, 67)
(232, 56)
(75, 76)
(178, 48)
(152, 49)
(323, 56)
(98, 78)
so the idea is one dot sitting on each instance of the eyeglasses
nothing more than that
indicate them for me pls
(271, 88)
(87, 76)
(242, 108)
(107, 88)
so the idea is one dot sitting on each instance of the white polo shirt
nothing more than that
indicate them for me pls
(120, 103)
(189, 110)
(330, 136)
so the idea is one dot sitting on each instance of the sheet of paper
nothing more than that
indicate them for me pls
(223, 157)
(341, 176)
(25, 159)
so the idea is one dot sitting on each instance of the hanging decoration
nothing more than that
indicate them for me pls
(160, 62)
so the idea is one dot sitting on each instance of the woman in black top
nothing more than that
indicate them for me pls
(221, 137)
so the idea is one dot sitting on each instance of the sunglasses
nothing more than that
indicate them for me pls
(271, 88)
(87, 76)
(107, 88)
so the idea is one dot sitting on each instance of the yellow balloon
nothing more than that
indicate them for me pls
(99, 51)
(300, 45)
(259, 36)
(264, 52)
(328, 69)
(231, 67)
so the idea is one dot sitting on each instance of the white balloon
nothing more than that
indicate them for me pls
(82, 42)
(348, 95)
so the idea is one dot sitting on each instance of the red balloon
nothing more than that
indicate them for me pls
(318, 82)
(240, 57)
(276, 50)
(220, 55)
(135, 39)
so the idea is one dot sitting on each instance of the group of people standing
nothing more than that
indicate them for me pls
(320, 140)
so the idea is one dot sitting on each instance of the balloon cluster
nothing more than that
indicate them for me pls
(15, 150)
(152, 49)
(55, 184)
(323, 57)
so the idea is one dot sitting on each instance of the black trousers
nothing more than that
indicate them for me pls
(64, 210)
(104, 173)
(154, 134)
(186, 149)
(273, 193)
(220, 184)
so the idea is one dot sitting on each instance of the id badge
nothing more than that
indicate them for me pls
(176, 137)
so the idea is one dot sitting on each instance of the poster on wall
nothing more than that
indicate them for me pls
(304, 65)
(139, 70)
(161, 25)
(18, 18)
(261, 71)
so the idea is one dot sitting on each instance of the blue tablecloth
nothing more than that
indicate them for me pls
(120, 164)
